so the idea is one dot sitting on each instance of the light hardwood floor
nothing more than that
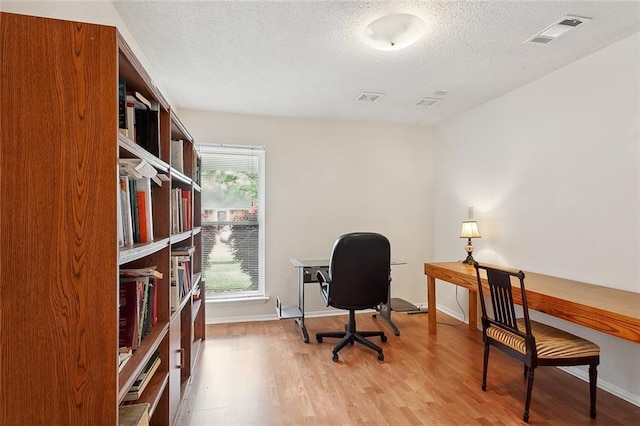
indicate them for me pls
(261, 373)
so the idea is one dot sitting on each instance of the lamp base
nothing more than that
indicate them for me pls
(469, 249)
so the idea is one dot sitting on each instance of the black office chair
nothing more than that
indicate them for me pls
(358, 278)
(533, 343)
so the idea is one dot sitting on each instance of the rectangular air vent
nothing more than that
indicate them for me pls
(427, 102)
(558, 28)
(369, 97)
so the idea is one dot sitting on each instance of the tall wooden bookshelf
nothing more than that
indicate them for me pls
(59, 254)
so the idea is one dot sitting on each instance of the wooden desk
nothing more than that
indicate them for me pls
(611, 311)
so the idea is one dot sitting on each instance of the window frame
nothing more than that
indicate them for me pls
(259, 152)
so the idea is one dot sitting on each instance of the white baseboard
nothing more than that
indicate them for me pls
(606, 386)
(273, 317)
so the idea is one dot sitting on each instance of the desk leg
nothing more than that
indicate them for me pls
(300, 321)
(303, 329)
(385, 313)
(431, 304)
(473, 310)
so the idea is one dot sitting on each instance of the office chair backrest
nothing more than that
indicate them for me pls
(501, 294)
(359, 271)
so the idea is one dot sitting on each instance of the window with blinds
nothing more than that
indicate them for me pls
(232, 221)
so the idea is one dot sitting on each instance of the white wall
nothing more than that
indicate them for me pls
(553, 172)
(325, 178)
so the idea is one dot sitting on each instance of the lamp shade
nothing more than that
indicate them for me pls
(469, 229)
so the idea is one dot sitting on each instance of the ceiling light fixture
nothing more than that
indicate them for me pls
(558, 28)
(394, 32)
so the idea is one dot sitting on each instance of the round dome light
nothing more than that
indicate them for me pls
(394, 32)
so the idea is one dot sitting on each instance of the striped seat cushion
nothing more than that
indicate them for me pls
(550, 342)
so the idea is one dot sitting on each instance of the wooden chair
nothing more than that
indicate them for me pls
(533, 343)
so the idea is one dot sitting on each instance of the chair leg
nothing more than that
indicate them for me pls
(527, 401)
(593, 381)
(351, 335)
(344, 342)
(360, 339)
(485, 365)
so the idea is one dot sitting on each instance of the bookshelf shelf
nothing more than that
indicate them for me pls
(149, 345)
(177, 238)
(129, 149)
(62, 218)
(139, 251)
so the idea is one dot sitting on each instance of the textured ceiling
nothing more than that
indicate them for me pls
(306, 59)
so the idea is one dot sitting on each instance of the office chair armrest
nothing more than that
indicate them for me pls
(322, 278)
(324, 286)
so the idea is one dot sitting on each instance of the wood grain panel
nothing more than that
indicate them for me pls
(58, 222)
(272, 378)
(609, 310)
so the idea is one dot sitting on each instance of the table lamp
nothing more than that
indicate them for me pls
(469, 230)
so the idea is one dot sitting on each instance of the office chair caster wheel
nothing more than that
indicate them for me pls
(380, 356)
(335, 357)
(383, 338)
(319, 339)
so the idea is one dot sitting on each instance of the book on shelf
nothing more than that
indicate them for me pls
(133, 200)
(130, 294)
(124, 355)
(180, 274)
(143, 222)
(145, 209)
(184, 281)
(180, 210)
(144, 310)
(138, 168)
(120, 220)
(154, 304)
(137, 311)
(134, 415)
(176, 203)
(131, 122)
(149, 271)
(138, 100)
(135, 207)
(185, 210)
(143, 379)
(175, 296)
(177, 155)
(125, 211)
(147, 135)
(122, 105)
(183, 251)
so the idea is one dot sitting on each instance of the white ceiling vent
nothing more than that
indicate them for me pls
(558, 28)
(427, 102)
(369, 97)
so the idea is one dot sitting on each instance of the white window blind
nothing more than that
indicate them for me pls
(232, 223)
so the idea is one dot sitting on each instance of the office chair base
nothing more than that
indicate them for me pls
(350, 336)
